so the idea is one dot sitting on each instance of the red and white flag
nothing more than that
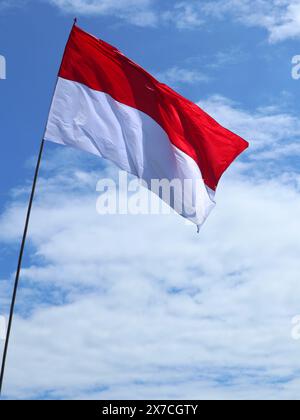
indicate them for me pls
(107, 105)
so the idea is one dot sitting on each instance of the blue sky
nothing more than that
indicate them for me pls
(118, 316)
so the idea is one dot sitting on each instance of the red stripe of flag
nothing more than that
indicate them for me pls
(103, 68)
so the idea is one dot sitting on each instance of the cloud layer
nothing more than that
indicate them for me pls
(273, 134)
(175, 76)
(281, 19)
(141, 305)
(138, 12)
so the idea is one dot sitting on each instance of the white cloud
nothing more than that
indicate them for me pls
(96, 6)
(138, 12)
(271, 132)
(281, 18)
(120, 322)
(176, 76)
(141, 306)
(184, 15)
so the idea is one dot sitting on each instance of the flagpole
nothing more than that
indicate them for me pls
(17, 278)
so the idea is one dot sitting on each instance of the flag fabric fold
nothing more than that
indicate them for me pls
(107, 105)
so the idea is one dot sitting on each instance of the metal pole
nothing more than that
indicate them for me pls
(13, 302)
(11, 314)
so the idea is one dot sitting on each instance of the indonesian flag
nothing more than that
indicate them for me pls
(107, 105)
